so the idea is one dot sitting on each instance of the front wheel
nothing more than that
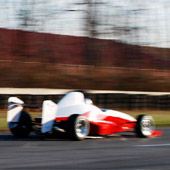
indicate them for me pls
(144, 126)
(78, 127)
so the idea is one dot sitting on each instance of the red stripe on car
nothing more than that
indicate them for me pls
(61, 118)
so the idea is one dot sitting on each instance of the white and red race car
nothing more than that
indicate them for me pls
(76, 116)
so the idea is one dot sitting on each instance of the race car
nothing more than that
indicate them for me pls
(77, 117)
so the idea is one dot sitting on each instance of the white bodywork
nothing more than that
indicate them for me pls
(48, 115)
(75, 103)
(15, 106)
(118, 115)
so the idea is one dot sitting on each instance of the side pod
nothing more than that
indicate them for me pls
(49, 112)
(15, 107)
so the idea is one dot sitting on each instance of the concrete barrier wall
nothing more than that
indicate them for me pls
(106, 100)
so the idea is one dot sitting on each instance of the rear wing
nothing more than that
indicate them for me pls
(49, 111)
(15, 107)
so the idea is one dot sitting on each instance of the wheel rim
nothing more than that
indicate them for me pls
(147, 125)
(82, 128)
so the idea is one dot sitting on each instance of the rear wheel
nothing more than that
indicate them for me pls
(78, 127)
(24, 126)
(144, 126)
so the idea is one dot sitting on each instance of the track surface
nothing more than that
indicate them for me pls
(117, 152)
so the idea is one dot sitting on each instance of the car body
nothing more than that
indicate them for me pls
(78, 117)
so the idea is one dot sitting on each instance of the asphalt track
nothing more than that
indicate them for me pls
(116, 152)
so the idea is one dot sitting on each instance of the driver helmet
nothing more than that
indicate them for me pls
(88, 101)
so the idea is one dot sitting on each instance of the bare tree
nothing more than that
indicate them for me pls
(92, 46)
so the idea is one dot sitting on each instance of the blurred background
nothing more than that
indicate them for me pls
(85, 44)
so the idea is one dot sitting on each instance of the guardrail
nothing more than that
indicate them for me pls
(124, 101)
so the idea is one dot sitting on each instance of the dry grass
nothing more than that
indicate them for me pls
(83, 77)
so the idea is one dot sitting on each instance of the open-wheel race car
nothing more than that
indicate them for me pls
(77, 117)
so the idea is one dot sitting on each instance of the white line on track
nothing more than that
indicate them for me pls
(154, 145)
(94, 137)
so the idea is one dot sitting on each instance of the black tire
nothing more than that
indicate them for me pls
(24, 126)
(144, 126)
(78, 127)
